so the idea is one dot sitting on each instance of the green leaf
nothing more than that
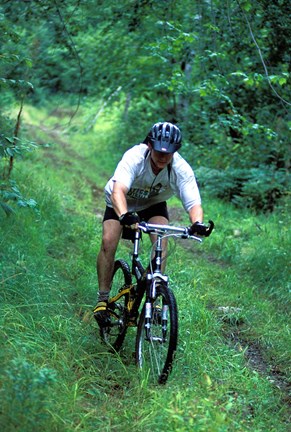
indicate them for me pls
(246, 5)
(6, 208)
(239, 73)
(9, 152)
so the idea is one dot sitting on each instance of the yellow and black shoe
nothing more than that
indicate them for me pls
(101, 314)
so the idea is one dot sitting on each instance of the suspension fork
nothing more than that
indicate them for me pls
(151, 292)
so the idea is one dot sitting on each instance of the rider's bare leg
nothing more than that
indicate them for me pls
(105, 260)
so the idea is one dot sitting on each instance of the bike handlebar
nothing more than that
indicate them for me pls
(170, 229)
(182, 232)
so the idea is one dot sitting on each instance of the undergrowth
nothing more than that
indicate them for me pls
(231, 293)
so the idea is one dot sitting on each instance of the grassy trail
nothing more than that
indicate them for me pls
(232, 365)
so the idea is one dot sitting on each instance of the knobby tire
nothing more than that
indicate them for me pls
(156, 355)
(114, 334)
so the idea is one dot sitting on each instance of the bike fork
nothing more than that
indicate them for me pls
(164, 321)
(148, 318)
(149, 314)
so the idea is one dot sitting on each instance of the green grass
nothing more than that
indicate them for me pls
(55, 373)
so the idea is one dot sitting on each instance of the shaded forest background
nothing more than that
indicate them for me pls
(220, 70)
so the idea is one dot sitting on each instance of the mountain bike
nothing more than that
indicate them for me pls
(147, 289)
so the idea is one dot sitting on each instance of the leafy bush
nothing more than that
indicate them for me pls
(255, 188)
(11, 146)
(9, 191)
(262, 189)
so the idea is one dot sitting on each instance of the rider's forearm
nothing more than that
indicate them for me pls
(118, 199)
(196, 213)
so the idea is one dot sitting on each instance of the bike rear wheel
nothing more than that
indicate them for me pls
(156, 341)
(113, 335)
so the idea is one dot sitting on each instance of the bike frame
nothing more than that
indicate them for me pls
(145, 279)
(157, 321)
(146, 302)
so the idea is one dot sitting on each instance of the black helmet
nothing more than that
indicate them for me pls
(165, 137)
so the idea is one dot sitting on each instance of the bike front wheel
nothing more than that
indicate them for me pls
(156, 340)
(114, 333)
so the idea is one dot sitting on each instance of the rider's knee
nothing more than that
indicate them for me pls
(108, 245)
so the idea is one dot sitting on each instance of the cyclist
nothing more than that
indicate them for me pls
(147, 175)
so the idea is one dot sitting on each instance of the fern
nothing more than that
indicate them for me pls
(256, 188)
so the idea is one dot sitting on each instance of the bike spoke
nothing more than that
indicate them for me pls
(155, 352)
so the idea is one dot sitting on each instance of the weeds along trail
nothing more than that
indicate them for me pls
(63, 157)
(235, 329)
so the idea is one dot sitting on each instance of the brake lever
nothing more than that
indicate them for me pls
(143, 227)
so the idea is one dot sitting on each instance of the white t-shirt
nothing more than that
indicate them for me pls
(145, 188)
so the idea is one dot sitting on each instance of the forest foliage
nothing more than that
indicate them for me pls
(220, 70)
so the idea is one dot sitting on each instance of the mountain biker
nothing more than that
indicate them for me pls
(147, 175)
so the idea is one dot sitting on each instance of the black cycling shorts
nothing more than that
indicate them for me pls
(159, 209)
